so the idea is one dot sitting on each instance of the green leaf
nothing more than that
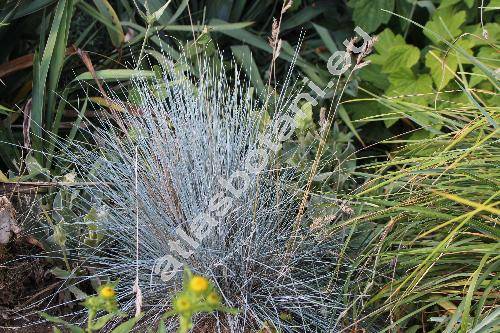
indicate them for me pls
(52, 319)
(442, 70)
(77, 122)
(473, 101)
(259, 42)
(386, 40)
(56, 320)
(492, 29)
(400, 57)
(31, 7)
(4, 110)
(75, 329)
(101, 321)
(158, 13)
(345, 117)
(488, 56)
(127, 326)
(373, 75)
(40, 72)
(489, 72)
(443, 65)
(116, 34)
(34, 167)
(447, 3)
(368, 14)
(57, 62)
(161, 327)
(77, 292)
(116, 74)
(60, 273)
(305, 15)
(325, 36)
(223, 26)
(405, 82)
(243, 55)
(493, 319)
(304, 121)
(446, 23)
(178, 12)
(470, 294)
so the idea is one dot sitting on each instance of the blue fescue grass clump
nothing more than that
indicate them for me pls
(158, 167)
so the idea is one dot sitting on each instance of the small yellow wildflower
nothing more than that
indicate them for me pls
(182, 304)
(107, 292)
(213, 298)
(198, 284)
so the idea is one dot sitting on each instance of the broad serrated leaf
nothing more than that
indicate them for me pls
(409, 86)
(386, 40)
(442, 69)
(401, 56)
(446, 23)
(368, 14)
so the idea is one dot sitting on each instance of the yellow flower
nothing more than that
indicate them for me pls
(213, 298)
(198, 284)
(107, 292)
(182, 303)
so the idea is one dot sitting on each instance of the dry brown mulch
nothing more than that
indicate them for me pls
(24, 283)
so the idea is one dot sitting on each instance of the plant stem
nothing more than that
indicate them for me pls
(90, 319)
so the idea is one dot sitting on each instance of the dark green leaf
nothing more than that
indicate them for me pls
(368, 14)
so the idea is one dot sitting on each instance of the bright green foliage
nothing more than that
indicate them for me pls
(400, 56)
(415, 87)
(446, 22)
(433, 220)
(197, 296)
(414, 76)
(105, 300)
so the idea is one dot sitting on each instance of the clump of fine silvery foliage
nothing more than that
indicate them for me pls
(176, 181)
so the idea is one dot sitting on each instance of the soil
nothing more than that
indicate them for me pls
(25, 283)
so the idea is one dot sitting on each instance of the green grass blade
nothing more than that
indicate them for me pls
(116, 74)
(116, 34)
(57, 61)
(243, 55)
(40, 72)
